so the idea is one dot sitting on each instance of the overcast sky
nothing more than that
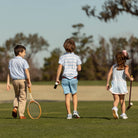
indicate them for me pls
(53, 19)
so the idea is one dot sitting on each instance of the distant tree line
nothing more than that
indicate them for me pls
(96, 58)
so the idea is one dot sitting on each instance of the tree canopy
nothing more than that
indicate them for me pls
(83, 42)
(112, 8)
(32, 42)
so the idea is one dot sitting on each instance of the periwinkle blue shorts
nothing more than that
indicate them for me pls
(69, 85)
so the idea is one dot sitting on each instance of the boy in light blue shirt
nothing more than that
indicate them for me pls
(19, 73)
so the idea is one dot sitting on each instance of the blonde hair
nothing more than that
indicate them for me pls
(69, 45)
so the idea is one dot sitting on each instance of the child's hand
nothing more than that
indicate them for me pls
(131, 79)
(29, 85)
(8, 87)
(107, 87)
(58, 81)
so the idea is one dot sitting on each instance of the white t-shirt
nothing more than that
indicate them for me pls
(70, 61)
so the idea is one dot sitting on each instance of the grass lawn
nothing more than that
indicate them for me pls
(96, 122)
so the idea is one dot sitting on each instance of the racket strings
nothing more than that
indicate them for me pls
(34, 109)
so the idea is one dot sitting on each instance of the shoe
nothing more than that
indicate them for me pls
(69, 116)
(14, 112)
(76, 114)
(115, 114)
(22, 117)
(123, 116)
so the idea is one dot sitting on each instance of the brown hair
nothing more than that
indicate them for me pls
(69, 45)
(18, 48)
(121, 59)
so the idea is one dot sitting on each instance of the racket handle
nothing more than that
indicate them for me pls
(29, 89)
(56, 84)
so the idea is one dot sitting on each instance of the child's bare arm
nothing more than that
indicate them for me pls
(79, 67)
(8, 82)
(109, 77)
(28, 77)
(127, 73)
(58, 73)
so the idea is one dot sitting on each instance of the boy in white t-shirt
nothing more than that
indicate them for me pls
(71, 64)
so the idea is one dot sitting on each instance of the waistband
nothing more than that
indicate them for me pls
(18, 79)
(63, 77)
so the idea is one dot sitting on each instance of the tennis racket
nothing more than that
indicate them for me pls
(33, 107)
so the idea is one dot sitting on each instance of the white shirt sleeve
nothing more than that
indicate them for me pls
(26, 65)
(61, 60)
(9, 64)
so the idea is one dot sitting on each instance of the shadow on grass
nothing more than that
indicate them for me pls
(53, 117)
(106, 118)
(6, 118)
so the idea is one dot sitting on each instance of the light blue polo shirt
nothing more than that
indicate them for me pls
(70, 61)
(17, 67)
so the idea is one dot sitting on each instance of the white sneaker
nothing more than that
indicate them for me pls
(123, 116)
(115, 114)
(76, 114)
(69, 116)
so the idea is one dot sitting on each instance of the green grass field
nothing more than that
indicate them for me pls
(96, 122)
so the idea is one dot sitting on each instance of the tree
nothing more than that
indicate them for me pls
(32, 42)
(99, 60)
(88, 69)
(83, 42)
(2, 64)
(112, 8)
(133, 50)
(117, 45)
(50, 65)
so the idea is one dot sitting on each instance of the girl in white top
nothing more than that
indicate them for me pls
(119, 86)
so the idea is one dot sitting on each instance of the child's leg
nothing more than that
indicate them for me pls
(116, 100)
(67, 101)
(75, 101)
(123, 107)
(115, 105)
(16, 90)
(22, 97)
(73, 87)
(16, 99)
(122, 101)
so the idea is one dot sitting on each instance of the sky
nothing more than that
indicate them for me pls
(53, 20)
